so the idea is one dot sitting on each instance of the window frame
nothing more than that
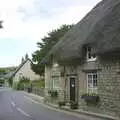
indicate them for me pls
(87, 55)
(92, 89)
(53, 80)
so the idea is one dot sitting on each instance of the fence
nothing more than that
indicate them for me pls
(38, 91)
(34, 90)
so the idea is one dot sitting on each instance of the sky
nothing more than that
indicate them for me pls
(27, 21)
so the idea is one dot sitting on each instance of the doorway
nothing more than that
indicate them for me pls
(72, 89)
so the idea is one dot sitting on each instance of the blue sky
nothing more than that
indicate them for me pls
(27, 21)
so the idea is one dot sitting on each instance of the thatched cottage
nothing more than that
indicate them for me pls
(87, 60)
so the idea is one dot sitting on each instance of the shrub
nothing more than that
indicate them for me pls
(61, 103)
(24, 80)
(74, 105)
(38, 83)
(53, 93)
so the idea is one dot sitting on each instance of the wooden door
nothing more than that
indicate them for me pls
(72, 89)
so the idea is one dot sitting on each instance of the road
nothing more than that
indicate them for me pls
(16, 106)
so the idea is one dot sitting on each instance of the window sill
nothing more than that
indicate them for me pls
(91, 60)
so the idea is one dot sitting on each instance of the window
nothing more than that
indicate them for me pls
(92, 82)
(90, 54)
(55, 82)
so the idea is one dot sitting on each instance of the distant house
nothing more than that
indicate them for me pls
(24, 70)
(87, 60)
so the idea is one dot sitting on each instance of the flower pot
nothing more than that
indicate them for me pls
(73, 105)
(61, 103)
(90, 99)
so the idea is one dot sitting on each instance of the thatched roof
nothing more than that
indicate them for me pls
(100, 28)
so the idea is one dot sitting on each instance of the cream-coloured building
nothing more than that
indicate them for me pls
(25, 70)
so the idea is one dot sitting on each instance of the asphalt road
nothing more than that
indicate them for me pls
(16, 106)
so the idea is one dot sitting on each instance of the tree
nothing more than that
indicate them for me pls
(3, 71)
(26, 56)
(22, 60)
(10, 81)
(44, 47)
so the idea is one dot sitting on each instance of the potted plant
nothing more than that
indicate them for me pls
(73, 105)
(91, 98)
(53, 93)
(49, 92)
(61, 103)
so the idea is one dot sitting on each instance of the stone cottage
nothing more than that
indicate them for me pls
(87, 60)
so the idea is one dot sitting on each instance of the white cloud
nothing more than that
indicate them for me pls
(34, 18)
(30, 20)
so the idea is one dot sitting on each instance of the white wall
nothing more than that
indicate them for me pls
(26, 71)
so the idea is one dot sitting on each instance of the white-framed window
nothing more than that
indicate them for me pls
(90, 55)
(92, 82)
(55, 82)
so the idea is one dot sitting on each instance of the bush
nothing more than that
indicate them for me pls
(10, 81)
(38, 83)
(61, 103)
(24, 82)
(73, 105)
(49, 91)
(53, 93)
(20, 86)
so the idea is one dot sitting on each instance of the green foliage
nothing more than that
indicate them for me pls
(24, 80)
(26, 56)
(44, 47)
(73, 105)
(10, 81)
(61, 103)
(20, 86)
(38, 83)
(1, 82)
(53, 93)
(2, 71)
(90, 94)
(6, 70)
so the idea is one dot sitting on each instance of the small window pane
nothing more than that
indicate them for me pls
(56, 82)
(89, 49)
(90, 55)
(89, 76)
(92, 81)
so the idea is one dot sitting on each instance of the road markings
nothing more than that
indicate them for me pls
(58, 110)
(22, 112)
(13, 104)
(19, 110)
(31, 100)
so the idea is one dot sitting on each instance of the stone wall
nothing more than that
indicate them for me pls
(51, 71)
(109, 85)
(108, 70)
(82, 71)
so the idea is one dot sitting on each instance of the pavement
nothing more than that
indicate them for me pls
(17, 105)
(96, 116)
